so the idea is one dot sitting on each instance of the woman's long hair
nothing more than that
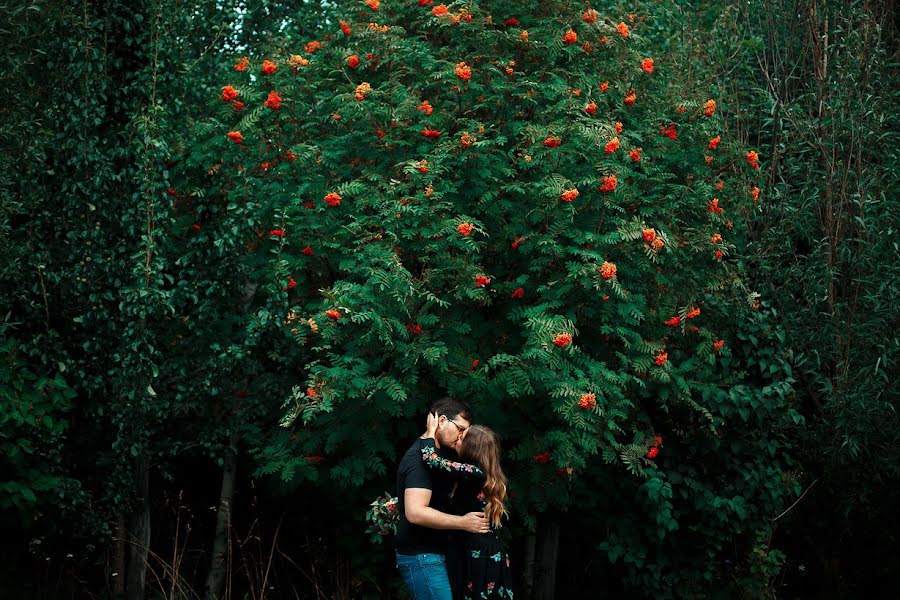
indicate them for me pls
(481, 445)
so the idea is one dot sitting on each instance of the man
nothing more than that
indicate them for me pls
(423, 500)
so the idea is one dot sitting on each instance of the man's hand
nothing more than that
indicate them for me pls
(474, 522)
(417, 511)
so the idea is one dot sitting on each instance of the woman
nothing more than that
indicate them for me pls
(477, 563)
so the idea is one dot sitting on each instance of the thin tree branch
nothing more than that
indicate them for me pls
(796, 501)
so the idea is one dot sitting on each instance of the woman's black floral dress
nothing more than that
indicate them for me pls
(477, 564)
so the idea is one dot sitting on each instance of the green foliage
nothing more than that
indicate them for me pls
(94, 271)
(836, 255)
(414, 247)
(33, 424)
(820, 95)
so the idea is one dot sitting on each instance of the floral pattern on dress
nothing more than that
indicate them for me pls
(490, 589)
(492, 592)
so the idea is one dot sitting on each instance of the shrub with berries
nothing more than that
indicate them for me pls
(589, 189)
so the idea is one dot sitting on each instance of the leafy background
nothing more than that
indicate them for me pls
(146, 361)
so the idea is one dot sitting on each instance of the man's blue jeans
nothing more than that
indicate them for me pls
(425, 576)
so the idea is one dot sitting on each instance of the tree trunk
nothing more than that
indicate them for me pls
(545, 588)
(118, 566)
(528, 566)
(139, 532)
(218, 563)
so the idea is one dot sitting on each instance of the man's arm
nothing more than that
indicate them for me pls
(417, 511)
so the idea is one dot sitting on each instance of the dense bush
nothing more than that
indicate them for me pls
(438, 200)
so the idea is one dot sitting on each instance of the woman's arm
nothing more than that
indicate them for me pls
(461, 470)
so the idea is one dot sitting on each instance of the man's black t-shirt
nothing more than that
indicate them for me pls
(412, 473)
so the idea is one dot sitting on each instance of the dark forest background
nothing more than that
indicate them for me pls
(107, 491)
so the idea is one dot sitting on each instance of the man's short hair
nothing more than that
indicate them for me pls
(452, 408)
